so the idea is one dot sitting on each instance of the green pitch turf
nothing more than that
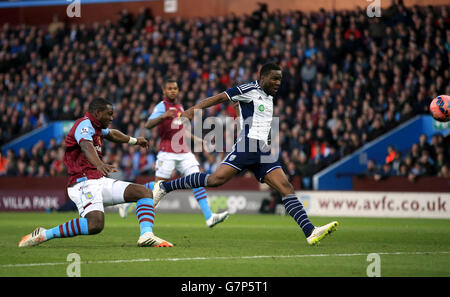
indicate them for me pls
(242, 246)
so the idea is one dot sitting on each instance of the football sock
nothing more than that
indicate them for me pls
(200, 196)
(145, 214)
(295, 208)
(191, 181)
(71, 228)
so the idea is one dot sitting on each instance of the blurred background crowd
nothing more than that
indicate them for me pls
(347, 79)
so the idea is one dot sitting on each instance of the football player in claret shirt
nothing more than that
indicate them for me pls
(173, 150)
(89, 186)
(251, 150)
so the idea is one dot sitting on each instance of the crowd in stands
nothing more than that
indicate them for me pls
(347, 78)
(424, 158)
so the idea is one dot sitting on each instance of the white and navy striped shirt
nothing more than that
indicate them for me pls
(256, 109)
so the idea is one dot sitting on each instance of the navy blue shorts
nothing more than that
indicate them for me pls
(253, 155)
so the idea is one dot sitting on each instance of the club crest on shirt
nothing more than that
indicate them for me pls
(84, 131)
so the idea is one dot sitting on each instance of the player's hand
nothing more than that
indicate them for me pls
(106, 169)
(188, 114)
(169, 114)
(142, 142)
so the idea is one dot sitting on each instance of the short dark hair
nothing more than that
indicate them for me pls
(169, 81)
(98, 104)
(266, 68)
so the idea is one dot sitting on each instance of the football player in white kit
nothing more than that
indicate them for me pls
(250, 151)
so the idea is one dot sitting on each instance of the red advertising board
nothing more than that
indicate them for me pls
(32, 194)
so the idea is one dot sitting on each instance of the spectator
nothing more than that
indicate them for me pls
(372, 169)
(444, 172)
(423, 143)
(308, 71)
(384, 173)
(3, 164)
(390, 154)
(427, 163)
(403, 170)
(416, 172)
(305, 170)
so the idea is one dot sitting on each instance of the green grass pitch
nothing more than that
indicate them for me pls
(242, 246)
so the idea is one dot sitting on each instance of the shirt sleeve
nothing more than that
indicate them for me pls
(105, 131)
(241, 93)
(84, 131)
(158, 111)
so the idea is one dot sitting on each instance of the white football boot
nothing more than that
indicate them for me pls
(158, 193)
(217, 218)
(34, 238)
(149, 239)
(321, 232)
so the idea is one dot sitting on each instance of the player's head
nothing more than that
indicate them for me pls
(170, 89)
(270, 78)
(102, 110)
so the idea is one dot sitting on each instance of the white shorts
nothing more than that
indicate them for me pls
(92, 194)
(184, 163)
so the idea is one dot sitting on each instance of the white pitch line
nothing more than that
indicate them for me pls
(218, 258)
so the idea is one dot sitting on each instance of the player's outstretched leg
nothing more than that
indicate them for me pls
(191, 181)
(146, 215)
(212, 219)
(195, 180)
(277, 180)
(71, 228)
(296, 210)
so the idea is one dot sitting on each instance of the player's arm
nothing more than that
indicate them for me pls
(192, 136)
(119, 137)
(158, 115)
(83, 135)
(155, 122)
(208, 102)
(89, 151)
(236, 109)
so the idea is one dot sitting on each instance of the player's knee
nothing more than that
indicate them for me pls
(135, 192)
(95, 226)
(96, 222)
(143, 192)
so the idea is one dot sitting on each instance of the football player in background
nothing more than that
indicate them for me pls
(174, 154)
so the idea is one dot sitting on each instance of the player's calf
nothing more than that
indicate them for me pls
(216, 180)
(71, 228)
(96, 222)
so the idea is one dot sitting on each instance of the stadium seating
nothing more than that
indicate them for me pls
(424, 158)
(347, 78)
